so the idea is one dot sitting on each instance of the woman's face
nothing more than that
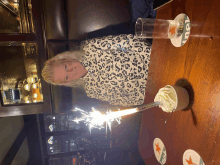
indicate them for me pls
(68, 71)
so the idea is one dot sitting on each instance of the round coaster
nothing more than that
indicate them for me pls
(181, 40)
(160, 151)
(191, 157)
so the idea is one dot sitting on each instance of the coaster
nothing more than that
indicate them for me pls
(191, 157)
(181, 40)
(160, 151)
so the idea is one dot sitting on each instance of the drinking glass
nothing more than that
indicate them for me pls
(158, 28)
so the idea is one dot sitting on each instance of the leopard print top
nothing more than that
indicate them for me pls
(117, 69)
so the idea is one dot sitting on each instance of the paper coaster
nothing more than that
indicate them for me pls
(181, 40)
(191, 157)
(160, 151)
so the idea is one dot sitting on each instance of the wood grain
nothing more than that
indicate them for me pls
(195, 66)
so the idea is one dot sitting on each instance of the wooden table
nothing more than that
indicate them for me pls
(195, 66)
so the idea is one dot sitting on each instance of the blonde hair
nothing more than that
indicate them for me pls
(48, 73)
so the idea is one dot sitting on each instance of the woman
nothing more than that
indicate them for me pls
(112, 68)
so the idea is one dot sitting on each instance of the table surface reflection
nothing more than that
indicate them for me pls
(195, 66)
